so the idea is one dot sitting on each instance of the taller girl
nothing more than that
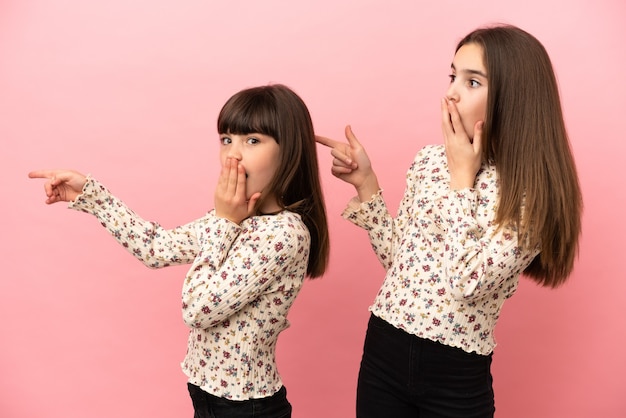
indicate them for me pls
(249, 255)
(498, 199)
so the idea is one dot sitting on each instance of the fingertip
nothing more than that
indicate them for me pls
(350, 133)
(253, 199)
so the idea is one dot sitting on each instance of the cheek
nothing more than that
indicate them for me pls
(482, 108)
(475, 114)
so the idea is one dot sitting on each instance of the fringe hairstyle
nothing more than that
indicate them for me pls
(277, 111)
(525, 137)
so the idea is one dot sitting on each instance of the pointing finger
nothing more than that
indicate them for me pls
(331, 143)
(41, 174)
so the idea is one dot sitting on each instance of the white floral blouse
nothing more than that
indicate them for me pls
(235, 298)
(449, 267)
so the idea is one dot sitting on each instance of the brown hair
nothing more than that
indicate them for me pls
(277, 111)
(525, 136)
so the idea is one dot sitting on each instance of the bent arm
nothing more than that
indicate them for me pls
(385, 232)
(236, 266)
(479, 260)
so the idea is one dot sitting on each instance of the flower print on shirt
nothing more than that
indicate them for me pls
(236, 295)
(445, 258)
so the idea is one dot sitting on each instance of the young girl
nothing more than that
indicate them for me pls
(499, 198)
(248, 256)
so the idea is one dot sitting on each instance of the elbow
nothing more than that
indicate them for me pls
(147, 260)
(152, 259)
(154, 264)
(193, 317)
(201, 317)
(191, 320)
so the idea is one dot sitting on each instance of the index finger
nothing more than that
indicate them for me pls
(455, 118)
(41, 174)
(331, 143)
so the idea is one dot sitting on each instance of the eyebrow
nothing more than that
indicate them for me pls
(469, 71)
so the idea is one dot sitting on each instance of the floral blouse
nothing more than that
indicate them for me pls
(449, 267)
(235, 298)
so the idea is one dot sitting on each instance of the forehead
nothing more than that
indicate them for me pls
(469, 57)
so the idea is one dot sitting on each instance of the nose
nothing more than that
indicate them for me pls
(451, 93)
(234, 150)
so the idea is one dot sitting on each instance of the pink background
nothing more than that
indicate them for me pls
(129, 90)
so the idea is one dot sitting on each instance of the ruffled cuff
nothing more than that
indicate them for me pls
(362, 214)
(92, 193)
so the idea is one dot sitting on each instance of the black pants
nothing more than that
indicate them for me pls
(402, 375)
(206, 405)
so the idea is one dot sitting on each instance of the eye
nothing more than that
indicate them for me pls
(252, 140)
(225, 140)
(452, 78)
(474, 83)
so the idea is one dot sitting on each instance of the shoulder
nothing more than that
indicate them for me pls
(429, 158)
(285, 225)
(430, 153)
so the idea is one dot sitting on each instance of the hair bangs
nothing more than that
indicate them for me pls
(250, 111)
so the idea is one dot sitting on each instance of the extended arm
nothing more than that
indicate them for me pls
(147, 241)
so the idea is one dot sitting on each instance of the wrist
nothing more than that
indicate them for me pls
(368, 188)
(462, 183)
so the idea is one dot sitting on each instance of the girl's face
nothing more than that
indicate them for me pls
(468, 86)
(259, 156)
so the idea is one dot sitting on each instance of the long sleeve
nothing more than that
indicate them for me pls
(385, 232)
(236, 297)
(150, 243)
(260, 254)
(478, 259)
(449, 267)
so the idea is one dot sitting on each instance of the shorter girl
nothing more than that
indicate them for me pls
(248, 256)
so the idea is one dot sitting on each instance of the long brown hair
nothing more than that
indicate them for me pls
(277, 111)
(525, 136)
